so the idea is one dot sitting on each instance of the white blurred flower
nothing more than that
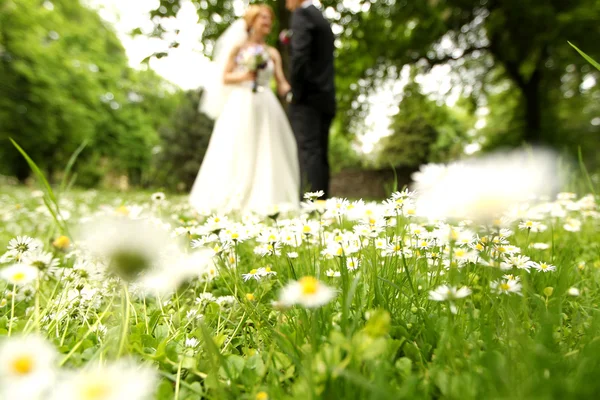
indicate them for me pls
(332, 274)
(572, 225)
(131, 246)
(19, 274)
(484, 188)
(573, 291)
(121, 380)
(307, 292)
(540, 246)
(192, 342)
(448, 293)
(27, 367)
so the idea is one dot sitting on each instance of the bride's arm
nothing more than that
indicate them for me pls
(230, 76)
(283, 87)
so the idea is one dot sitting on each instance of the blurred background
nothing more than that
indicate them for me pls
(418, 82)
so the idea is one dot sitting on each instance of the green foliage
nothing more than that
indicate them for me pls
(184, 140)
(381, 337)
(422, 132)
(499, 50)
(65, 80)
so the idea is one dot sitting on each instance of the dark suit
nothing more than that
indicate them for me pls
(313, 106)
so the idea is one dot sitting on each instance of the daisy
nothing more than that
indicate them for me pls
(520, 262)
(507, 286)
(158, 197)
(540, 246)
(191, 343)
(131, 247)
(448, 293)
(544, 267)
(19, 274)
(307, 292)
(23, 244)
(118, 381)
(352, 263)
(313, 195)
(253, 274)
(332, 274)
(27, 367)
(573, 291)
(42, 260)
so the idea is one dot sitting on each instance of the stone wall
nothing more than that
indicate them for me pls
(368, 184)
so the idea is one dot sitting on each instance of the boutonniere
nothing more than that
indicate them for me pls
(285, 36)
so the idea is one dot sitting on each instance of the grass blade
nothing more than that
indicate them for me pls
(51, 201)
(588, 58)
(69, 167)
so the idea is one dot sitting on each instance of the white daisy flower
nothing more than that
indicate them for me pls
(27, 367)
(544, 267)
(573, 291)
(332, 274)
(448, 293)
(540, 246)
(118, 381)
(507, 286)
(19, 274)
(307, 292)
(192, 342)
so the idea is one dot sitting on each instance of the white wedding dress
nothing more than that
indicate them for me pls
(251, 163)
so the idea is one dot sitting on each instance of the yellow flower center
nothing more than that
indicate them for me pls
(253, 271)
(268, 269)
(262, 396)
(306, 229)
(459, 253)
(235, 235)
(123, 210)
(544, 266)
(504, 286)
(23, 364)
(18, 276)
(309, 285)
(95, 391)
(250, 297)
(479, 246)
(62, 242)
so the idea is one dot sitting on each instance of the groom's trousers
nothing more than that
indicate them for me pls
(311, 128)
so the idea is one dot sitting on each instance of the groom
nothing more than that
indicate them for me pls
(313, 105)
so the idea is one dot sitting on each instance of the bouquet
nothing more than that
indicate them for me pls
(285, 37)
(254, 59)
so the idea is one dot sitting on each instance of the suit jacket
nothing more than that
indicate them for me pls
(312, 65)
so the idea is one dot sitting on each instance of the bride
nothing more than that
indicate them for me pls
(251, 163)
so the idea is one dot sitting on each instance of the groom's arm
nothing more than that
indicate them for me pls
(301, 50)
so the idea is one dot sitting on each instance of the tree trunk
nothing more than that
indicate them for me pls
(533, 109)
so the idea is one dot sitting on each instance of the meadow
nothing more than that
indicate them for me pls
(107, 295)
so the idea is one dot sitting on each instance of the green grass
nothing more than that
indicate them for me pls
(380, 338)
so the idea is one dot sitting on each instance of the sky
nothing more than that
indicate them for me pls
(184, 65)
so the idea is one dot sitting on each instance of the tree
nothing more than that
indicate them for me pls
(422, 132)
(522, 43)
(65, 80)
(184, 140)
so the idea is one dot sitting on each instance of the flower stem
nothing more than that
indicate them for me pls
(178, 381)
(12, 309)
(125, 322)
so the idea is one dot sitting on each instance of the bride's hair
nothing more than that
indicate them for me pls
(253, 11)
